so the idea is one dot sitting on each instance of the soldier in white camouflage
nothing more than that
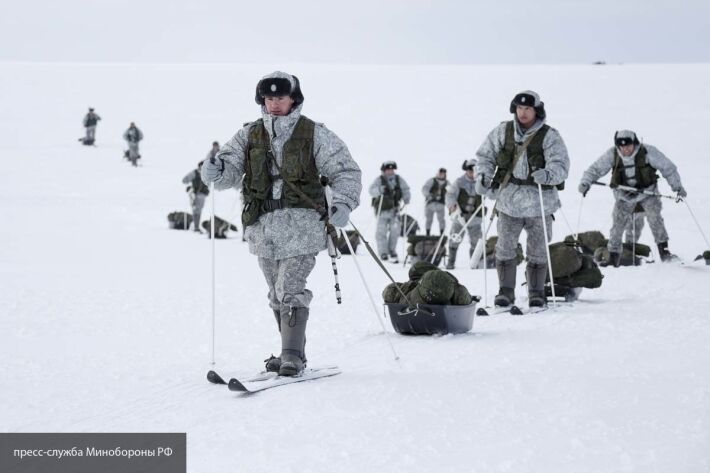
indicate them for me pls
(462, 201)
(434, 190)
(634, 164)
(133, 136)
(197, 190)
(390, 192)
(282, 156)
(515, 158)
(91, 120)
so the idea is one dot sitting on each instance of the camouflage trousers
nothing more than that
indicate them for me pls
(622, 215)
(438, 209)
(90, 133)
(473, 229)
(133, 152)
(634, 228)
(286, 279)
(509, 229)
(387, 233)
(197, 201)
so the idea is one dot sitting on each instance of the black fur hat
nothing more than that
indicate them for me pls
(625, 137)
(531, 99)
(278, 87)
(388, 165)
(469, 164)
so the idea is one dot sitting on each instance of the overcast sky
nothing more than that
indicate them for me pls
(356, 31)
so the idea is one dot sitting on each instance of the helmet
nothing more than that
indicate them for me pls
(278, 84)
(388, 165)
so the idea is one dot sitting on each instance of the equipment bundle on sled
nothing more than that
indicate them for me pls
(431, 302)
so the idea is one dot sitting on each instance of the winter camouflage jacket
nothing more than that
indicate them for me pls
(376, 191)
(290, 232)
(426, 188)
(90, 118)
(133, 135)
(654, 157)
(524, 200)
(452, 195)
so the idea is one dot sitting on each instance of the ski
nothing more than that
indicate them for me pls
(513, 310)
(214, 378)
(252, 385)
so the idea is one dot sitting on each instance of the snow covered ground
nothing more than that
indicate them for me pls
(105, 313)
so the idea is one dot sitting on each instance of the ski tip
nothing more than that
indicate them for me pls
(214, 378)
(236, 385)
(481, 311)
(515, 310)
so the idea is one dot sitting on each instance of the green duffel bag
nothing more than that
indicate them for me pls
(436, 287)
(640, 248)
(418, 269)
(566, 260)
(461, 296)
(589, 275)
(588, 242)
(390, 294)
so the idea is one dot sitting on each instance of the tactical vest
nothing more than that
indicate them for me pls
(536, 157)
(298, 168)
(390, 197)
(91, 119)
(645, 173)
(437, 193)
(133, 135)
(468, 203)
(198, 186)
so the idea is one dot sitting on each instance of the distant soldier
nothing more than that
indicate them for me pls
(198, 190)
(133, 135)
(633, 164)
(462, 201)
(91, 119)
(434, 191)
(388, 191)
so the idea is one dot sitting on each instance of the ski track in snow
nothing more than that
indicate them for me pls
(105, 313)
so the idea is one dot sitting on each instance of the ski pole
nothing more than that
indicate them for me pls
(547, 247)
(579, 217)
(697, 224)
(213, 267)
(485, 263)
(369, 294)
(436, 250)
(331, 236)
(635, 190)
(633, 235)
(481, 243)
(403, 229)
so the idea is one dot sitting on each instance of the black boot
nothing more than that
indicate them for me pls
(293, 341)
(536, 274)
(614, 259)
(506, 281)
(273, 363)
(664, 253)
(451, 262)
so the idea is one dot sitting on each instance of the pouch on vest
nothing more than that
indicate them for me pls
(251, 211)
